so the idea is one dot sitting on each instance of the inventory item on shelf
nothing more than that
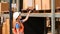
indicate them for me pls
(14, 7)
(46, 4)
(36, 7)
(4, 7)
(28, 3)
(38, 4)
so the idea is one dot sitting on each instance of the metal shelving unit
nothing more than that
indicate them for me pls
(52, 15)
(37, 15)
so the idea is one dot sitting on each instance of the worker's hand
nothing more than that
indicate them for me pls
(30, 11)
(24, 20)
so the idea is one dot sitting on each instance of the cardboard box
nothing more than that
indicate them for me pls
(46, 4)
(57, 3)
(28, 3)
(24, 4)
(6, 27)
(14, 7)
(4, 7)
(38, 4)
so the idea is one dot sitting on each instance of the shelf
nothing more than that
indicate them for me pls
(41, 14)
(36, 15)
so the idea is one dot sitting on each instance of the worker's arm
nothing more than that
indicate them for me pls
(27, 16)
(14, 32)
(22, 28)
(18, 32)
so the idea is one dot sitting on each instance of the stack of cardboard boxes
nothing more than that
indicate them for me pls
(41, 4)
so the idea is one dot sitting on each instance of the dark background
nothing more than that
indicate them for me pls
(35, 25)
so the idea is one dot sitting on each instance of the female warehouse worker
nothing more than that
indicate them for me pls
(18, 27)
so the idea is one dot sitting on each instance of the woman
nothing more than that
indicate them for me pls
(19, 27)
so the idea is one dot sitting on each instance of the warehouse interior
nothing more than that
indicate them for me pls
(41, 20)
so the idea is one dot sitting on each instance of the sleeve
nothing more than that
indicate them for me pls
(17, 26)
(21, 21)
